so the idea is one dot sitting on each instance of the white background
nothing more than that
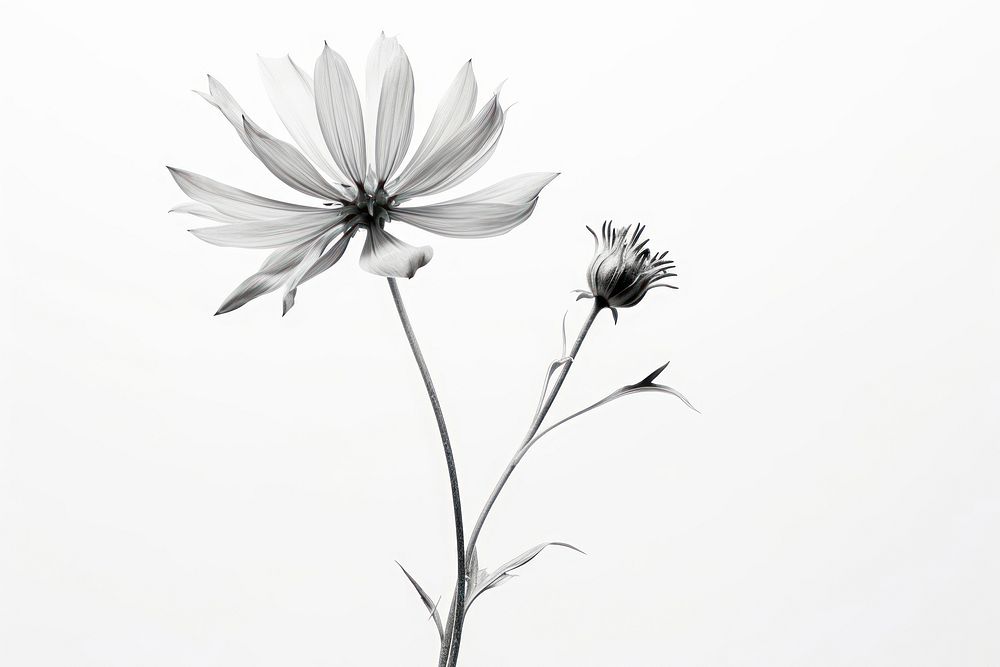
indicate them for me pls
(182, 489)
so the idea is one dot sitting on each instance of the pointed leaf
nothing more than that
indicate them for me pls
(503, 573)
(648, 380)
(553, 367)
(643, 385)
(564, 332)
(426, 599)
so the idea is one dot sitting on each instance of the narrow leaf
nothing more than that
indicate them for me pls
(648, 380)
(428, 602)
(646, 384)
(553, 367)
(503, 573)
(564, 333)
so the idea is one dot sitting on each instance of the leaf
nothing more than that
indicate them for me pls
(564, 333)
(645, 384)
(553, 367)
(428, 602)
(472, 572)
(503, 573)
(472, 566)
(648, 380)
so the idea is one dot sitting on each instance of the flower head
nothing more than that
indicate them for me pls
(623, 269)
(353, 162)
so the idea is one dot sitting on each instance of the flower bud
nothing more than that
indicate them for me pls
(623, 269)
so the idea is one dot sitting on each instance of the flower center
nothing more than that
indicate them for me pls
(374, 206)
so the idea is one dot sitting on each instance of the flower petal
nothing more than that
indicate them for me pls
(219, 97)
(270, 277)
(203, 211)
(315, 262)
(291, 93)
(382, 53)
(466, 219)
(514, 190)
(267, 233)
(289, 165)
(395, 117)
(331, 256)
(385, 255)
(235, 202)
(454, 111)
(457, 158)
(222, 100)
(339, 112)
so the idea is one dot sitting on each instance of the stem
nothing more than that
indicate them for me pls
(458, 613)
(533, 429)
(536, 423)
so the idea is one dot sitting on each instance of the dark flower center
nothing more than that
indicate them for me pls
(373, 206)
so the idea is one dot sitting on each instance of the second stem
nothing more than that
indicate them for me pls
(454, 632)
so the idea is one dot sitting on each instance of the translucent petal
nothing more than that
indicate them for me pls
(203, 211)
(291, 93)
(235, 202)
(222, 100)
(266, 233)
(272, 274)
(456, 159)
(339, 112)
(395, 117)
(454, 111)
(313, 265)
(382, 53)
(312, 256)
(330, 257)
(514, 190)
(290, 166)
(466, 219)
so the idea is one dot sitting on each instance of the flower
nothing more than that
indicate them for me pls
(623, 269)
(353, 163)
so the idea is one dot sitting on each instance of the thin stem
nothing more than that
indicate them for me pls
(458, 613)
(533, 429)
(453, 633)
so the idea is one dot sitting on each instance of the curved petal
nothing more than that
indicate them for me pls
(514, 190)
(289, 165)
(271, 275)
(454, 111)
(266, 233)
(457, 158)
(382, 53)
(291, 93)
(467, 219)
(385, 255)
(203, 211)
(315, 262)
(331, 256)
(395, 117)
(234, 202)
(339, 111)
(219, 97)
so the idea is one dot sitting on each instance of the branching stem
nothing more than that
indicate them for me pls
(453, 633)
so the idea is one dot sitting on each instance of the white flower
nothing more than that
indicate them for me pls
(353, 163)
